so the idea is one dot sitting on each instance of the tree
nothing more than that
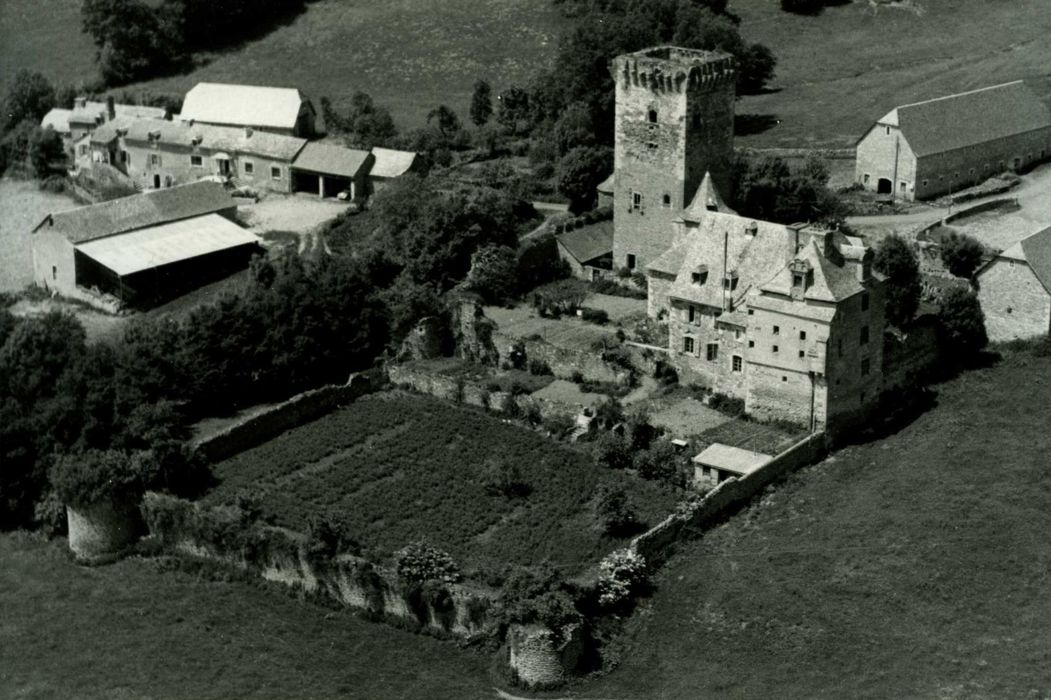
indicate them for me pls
(614, 510)
(46, 152)
(503, 477)
(492, 273)
(574, 128)
(895, 259)
(961, 254)
(613, 451)
(580, 171)
(963, 322)
(133, 40)
(445, 118)
(420, 563)
(481, 103)
(30, 97)
(513, 109)
(96, 476)
(769, 189)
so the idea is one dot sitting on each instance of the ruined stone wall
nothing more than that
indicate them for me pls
(1015, 303)
(541, 657)
(564, 362)
(286, 557)
(102, 530)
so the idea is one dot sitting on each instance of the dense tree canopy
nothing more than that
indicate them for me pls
(961, 254)
(364, 125)
(963, 322)
(770, 190)
(895, 259)
(481, 103)
(29, 97)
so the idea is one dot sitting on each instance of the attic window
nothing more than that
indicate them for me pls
(888, 130)
(752, 229)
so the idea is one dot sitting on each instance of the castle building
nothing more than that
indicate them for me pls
(674, 122)
(940, 146)
(788, 318)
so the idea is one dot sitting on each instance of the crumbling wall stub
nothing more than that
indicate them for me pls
(542, 657)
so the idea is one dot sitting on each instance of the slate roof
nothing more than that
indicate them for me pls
(969, 118)
(832, 282)
(139, 211)
(242, 105)
(391, 163)
(93, 112)
(589, 242)
(730, 458)
(707, 195)
(328, 159)
(211, 138)
(1036, 251)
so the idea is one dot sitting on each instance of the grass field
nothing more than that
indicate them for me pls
(23, 205)
(397, 468)
(912, 567)
(136, 630)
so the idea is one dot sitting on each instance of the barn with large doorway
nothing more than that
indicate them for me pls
(329, 171)
(142, 250)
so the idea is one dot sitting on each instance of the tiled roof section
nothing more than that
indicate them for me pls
(730, 458)
(139, 211)
(242, 105)
(328, 159)
(57, 119)
(213, 138)
(970, 118)
(94, 112)
(793, 308)
(668, 262)
(832, 281)
(1036, 251)
(755, 251)
(392, 163)
(589, 242)
(705, 199)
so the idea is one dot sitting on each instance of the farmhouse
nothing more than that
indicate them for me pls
(1014, 289)
(276, 110)
(788, 318)
(588, 250)
(141, 249)
(86, 116)
(926, 149)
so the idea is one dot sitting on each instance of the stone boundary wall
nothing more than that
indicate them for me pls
(655, 544)
(221, 535)
(256, 429)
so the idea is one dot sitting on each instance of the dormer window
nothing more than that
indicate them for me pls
(752, 229)
(802, 277)
(700, 275)
(730, 281)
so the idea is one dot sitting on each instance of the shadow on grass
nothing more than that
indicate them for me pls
(751, 124)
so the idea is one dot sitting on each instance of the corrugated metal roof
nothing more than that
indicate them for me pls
(207, 137)
(391, 163)
(589, 242)
(243, 105)
(164, 244)
(970, 118)
(732, 459)
(328, 159)
(139, 211)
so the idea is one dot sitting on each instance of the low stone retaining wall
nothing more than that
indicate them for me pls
(655, 544)
(102, 531)
(290, 558)
(258, 428)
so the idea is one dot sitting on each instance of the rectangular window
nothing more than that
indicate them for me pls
(777, 330)
(155, 159)
(736, 363)
(865, 367)
(687, 345)
(713, 352)
(196, 161)
(839, 346)
(775, 348)
(802, 354)
(249, 167)
(866, 178)
(865, 301)
(636, 201)
(802, 335)
(631, 261)
(691, 314)
(864, 335)
(751, 343)
(275, 172)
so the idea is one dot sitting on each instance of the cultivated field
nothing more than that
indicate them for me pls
(396, 468)
(140, 629)
(911, 567)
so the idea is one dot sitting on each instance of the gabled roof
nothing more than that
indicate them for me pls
(204, 136)
(392, 163)
(1034, 250)
(589, 242)
(328, 159)
(242, 105)
(730, 458)
(832, 280)
(606, 186)
(969, 118)
(57, 119)
(705, 199)
(139, 211)
(95, 112)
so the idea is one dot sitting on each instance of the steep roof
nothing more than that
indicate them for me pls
(242, 105)
(331, 160)
(589, 242)
(832, 281)
(391, 163)
(206, 136)
(704, 200)
(969, 118)
(139, 211)
(730, 458)
(1035, 250)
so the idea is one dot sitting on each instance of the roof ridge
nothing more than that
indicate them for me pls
(959, 94)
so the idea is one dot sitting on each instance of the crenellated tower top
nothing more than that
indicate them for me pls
(674, 69)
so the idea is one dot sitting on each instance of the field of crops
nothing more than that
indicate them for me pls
(396, 468)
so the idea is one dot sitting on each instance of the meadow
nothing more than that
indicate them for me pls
(397, 468)
(915, 566)
(837, 72)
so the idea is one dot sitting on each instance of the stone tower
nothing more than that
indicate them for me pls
(674, 122)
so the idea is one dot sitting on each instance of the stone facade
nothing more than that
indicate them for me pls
(542, 657)
(1015, 303)
(674, 122)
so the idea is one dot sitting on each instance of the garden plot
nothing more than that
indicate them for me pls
(688, 417)
(396, 468)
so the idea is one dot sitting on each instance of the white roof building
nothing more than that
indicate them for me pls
(283, 110)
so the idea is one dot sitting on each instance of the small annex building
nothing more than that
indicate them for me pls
(142, 249)
(935, 147)
(588, 250)
(719, 462)
(329, 170)
(1014, 289)
(272, 109)
(389, 164)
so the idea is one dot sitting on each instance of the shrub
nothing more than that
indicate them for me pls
(611, 287)
(963, 321)
(328, 537)
(502, 477)
(961, 255)
(420, 563)
(730, 405)
(95, 476)
(539, 368)
(660, 461)
(614, 510)
(665, 373)
(536, 596)
(613, 451)
(576, 376)
(598, 316)
(559, 425)
(609, 413)
(895, 259)
(623, 575)
(50, 515)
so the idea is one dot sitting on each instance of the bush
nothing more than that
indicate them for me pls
(559, 425)
(895, 259)
(540, 368)
(598, 316)
(95, 476)
(665, 373)
(663, 461)
(613, 451)
(609, 286)
(503, 477)
(614, 510)
(963, 322)
(576, 376)
(536, 596)
(961, 254)
(730, 405)
(420, 563)
(623, 575)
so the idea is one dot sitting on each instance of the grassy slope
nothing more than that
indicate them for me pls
(916, 566)
(844, 69)
(132, 630)
(44, 35)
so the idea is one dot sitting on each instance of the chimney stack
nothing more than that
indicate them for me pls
(248, 132)
(111, 109)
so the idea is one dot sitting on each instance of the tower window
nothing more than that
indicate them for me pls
(865, 301)
(751, 343)
(652, 116)
(691, 313)
(865, 367)
(737, 363)
(777, 330)
(864, 335)
(802, 335)
(775, 348)
(666, 201)
(697, 119)
(631, 261)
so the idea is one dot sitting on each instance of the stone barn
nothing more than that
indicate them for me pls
(276, 110)
(143, 249)
(940, 146)
(1014, 289)
(588, 250)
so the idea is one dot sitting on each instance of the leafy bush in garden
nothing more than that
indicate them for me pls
(420, 562)
(504, 477)
(598, 316)
(538, 596)
(611, 287)
(623, 574)
(96, 476)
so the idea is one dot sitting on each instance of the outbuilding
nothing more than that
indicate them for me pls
(330, 170)
(719, 462)
(588, 250)
(1014, 289)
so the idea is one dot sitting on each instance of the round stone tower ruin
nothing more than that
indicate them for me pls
(674, 122)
